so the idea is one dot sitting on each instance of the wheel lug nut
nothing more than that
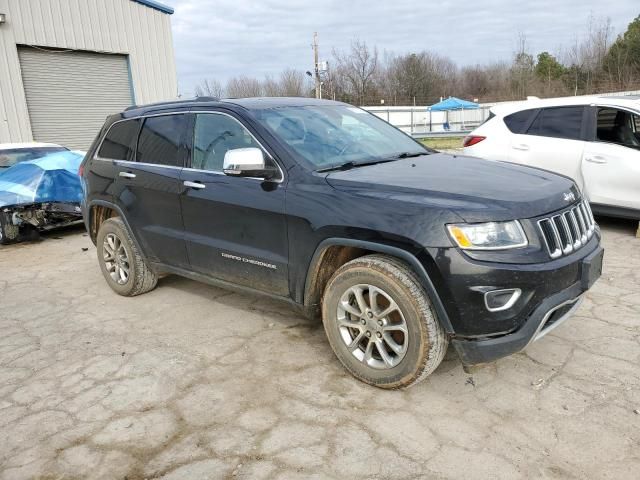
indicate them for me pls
(369, 314)
(380, 322)
(363, 321)
(379, 335)
(368, 333)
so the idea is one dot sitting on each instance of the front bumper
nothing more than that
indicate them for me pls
(547, 315)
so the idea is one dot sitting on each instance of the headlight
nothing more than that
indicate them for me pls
(488, 236)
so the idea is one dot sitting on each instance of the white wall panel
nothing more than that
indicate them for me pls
(111, 26)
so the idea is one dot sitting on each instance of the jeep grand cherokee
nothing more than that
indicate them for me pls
(398, 248)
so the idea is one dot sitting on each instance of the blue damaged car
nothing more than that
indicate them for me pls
(40, 194)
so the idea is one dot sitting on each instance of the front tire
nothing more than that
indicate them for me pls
(124, 269)
(9, 232)
(380, 323)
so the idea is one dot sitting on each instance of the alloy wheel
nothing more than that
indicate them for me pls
(115, 259)
(372, 326)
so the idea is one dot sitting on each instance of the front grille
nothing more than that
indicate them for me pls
(567, 231)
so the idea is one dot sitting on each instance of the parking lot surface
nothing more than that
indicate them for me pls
(191, 381)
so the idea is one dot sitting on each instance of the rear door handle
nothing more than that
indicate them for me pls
(127, 175)
(197, 185)
(596, 159)
(521, 146)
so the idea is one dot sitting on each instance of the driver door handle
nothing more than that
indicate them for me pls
(127, 175)
(521, 146)
(196, 185)
(596, 159)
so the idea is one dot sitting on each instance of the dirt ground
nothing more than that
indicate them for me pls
(195, 382)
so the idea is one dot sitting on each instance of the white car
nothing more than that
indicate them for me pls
(594, 140)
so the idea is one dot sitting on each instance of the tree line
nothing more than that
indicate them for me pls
(597, 62)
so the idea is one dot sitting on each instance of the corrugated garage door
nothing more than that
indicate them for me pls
(69, 94)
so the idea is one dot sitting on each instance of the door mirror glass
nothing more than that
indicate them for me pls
(247, 162)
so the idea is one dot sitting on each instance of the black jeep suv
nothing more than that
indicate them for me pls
(400, 249)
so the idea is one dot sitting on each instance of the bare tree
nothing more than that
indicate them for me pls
(271, 87)
(292, 83)
(358, 67)
(522, 68)
(585, 58)
(209, 88)
(594, 49)
(243, 86)
(419, 78)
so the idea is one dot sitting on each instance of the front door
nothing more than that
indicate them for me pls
(148, 189)
(611, 163)
(235, 228)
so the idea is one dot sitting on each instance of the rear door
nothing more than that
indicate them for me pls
(611, 164)
(552, 140)
(235, 228)
(148, 189)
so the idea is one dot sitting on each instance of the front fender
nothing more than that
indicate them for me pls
(390, 250)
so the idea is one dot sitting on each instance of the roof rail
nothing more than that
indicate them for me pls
(173, 102)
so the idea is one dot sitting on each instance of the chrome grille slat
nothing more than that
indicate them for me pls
(568, 248)
(569, 230)
(576, 227)
(583, 226)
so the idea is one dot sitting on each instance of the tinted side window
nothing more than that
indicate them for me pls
(160, 140)
(214, 135)
(560, 122)
(120, 141)
(518, 120)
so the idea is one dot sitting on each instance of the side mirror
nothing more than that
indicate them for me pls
(247, 162)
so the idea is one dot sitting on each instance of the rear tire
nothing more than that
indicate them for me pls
(380, 323)
(124, 269)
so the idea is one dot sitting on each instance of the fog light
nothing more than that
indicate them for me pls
(499, 300)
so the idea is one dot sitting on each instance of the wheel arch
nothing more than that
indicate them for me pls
(98, 211)
(320, 271)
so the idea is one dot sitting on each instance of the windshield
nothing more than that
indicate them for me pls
(12, 156)
(334, 135)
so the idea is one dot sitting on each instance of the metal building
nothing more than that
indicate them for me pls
(67, 64)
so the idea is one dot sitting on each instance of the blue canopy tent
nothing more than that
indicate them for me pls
(451, 103)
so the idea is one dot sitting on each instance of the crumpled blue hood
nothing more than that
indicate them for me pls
(52, 178)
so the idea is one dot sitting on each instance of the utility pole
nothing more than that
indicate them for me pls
(315, 66)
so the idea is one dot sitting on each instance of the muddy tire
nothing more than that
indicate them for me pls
(380, 323)
(9, 233)
(123, 267)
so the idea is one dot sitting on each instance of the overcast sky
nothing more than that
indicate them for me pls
(224, 38)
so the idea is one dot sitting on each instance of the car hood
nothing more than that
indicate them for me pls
(475, 189)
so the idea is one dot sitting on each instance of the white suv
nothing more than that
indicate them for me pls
(594, 140)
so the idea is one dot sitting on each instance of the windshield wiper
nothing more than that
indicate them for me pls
(349, 165)
(411, 154)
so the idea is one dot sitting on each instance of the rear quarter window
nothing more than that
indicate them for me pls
(120, 141)
(518, 121)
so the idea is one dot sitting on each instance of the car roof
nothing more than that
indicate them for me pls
(628, 101)
(259, 103)
(19, 146)
(253, 103)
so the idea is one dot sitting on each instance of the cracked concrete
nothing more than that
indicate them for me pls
(191, 381)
